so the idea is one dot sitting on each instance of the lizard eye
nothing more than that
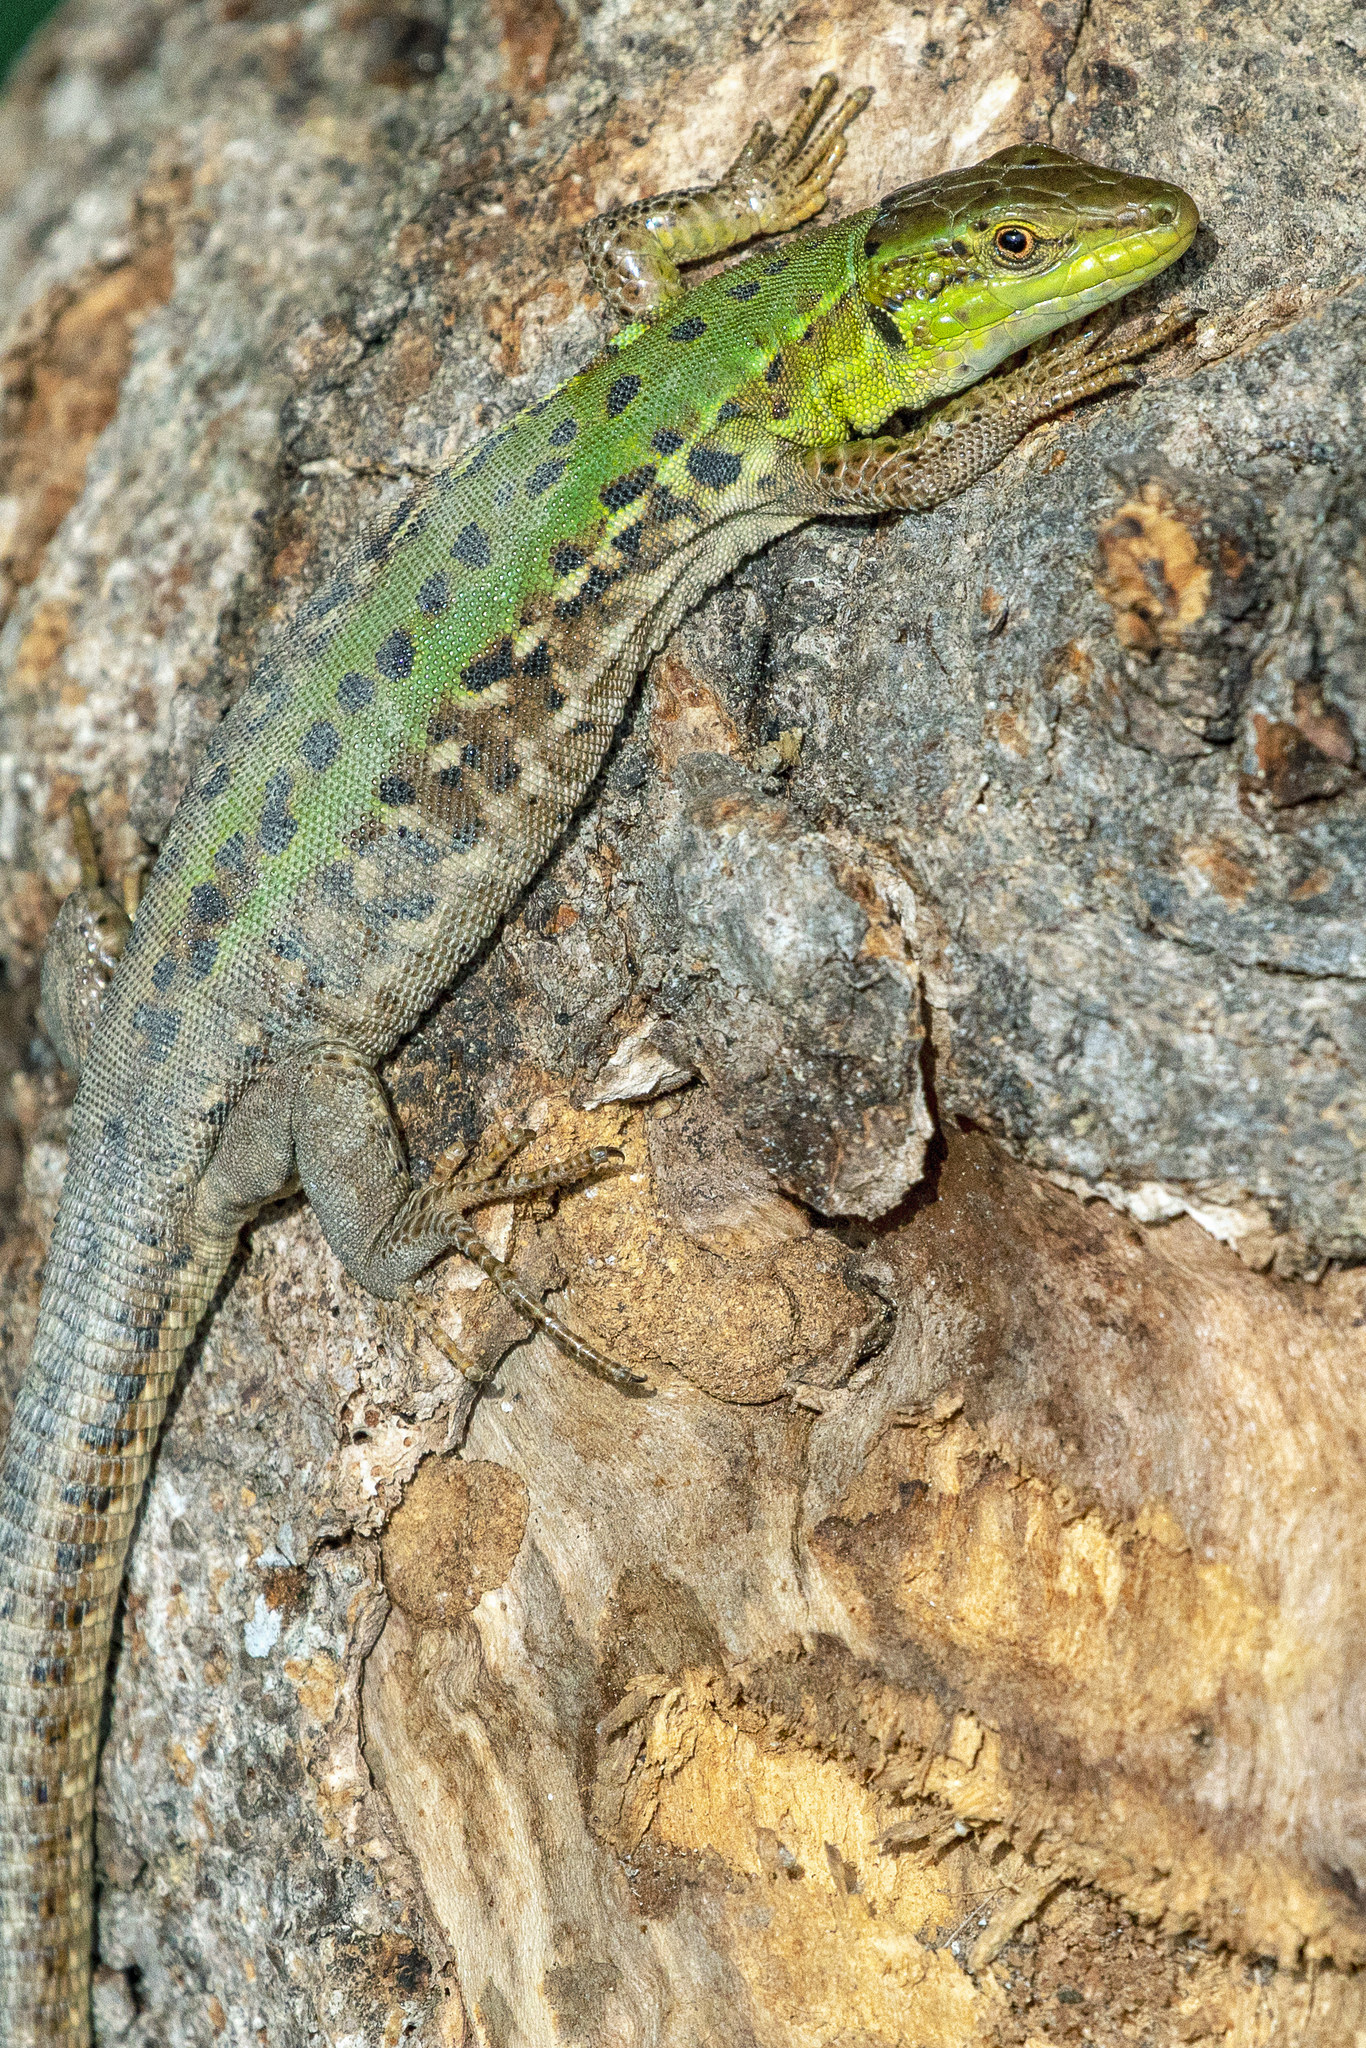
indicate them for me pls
(1015, 243)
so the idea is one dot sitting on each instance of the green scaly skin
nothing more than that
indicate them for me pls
(398, 769)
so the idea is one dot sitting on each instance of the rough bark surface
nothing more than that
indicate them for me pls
(968, 1643)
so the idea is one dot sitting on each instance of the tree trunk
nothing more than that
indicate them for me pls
(967, 1643)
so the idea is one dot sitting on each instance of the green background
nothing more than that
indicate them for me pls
(18, 19)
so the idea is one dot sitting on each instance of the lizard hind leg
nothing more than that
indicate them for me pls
(385, 1231)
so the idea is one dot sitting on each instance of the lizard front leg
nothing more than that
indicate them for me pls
(776, 182)
(350, 1159)
(964, 438)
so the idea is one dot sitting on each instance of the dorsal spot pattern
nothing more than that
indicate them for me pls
(567, 557)
(395, 655)
(595, 584)
(489, 668)
(716, 468)
(666, 506)
(208, 904)
(379, 540)
(666, 441)
(161, 1027)
(620, 394)
(355, 691)
(320, 745)
(748, 290)
(623, 490)
(544, 475)
(434, 595)
(729, 411)
(563, 432)
(690, 329)
(277, 826)
(396, 789)
(471, 546)
(501, 770)
(773, 374)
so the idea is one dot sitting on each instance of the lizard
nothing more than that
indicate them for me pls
(401, 764)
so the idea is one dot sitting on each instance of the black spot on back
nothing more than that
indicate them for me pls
(666, 506)
(216, 783)
(378, 540)
(748, 290)
(717, 468)
(203, 953)
(394, 656)
(544, 475)
(729, 411)
(161, 1027)
(337, 882)
(623, 490)
(320, 745)
(776, 265)
(567, 557)
(208, 903)
(620, 394)
(410, 909)
(354, 691)
(595, 583)
(666, 441)
(277, 826)
(471, 546)
(489, 668)
(689, 329)
(537, 663)
(163, 974)
(396, 789)
(563, 433)
(501, 770)
(434, 595)
(773, 374)
(231, 856)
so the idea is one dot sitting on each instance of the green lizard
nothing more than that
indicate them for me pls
(400, 767)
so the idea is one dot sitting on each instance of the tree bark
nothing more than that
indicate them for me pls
(966, 948)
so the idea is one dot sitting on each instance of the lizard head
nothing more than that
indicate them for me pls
(965, 268)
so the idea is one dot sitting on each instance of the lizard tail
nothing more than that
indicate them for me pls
(80, 1443)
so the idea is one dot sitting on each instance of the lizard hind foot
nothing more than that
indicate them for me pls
(476, 1186)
